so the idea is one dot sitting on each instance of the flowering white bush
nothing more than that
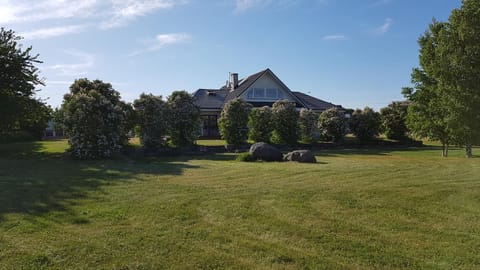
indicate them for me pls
(94, 119)
(332, 125)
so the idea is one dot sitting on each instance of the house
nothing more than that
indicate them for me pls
(259, 89)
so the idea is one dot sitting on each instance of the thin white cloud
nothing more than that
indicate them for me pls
(169, 39)
(85, 62)
(22, 11)
(335, 38)
(384, 28)
(53, 31)
(124, 11)
(163, 40)
(106, 13)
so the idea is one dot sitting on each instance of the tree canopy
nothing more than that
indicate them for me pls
(446, 96)
(19, 77)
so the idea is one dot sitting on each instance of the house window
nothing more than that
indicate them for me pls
(280, 94)
(250, 94)
(258, 92)
(272, 93)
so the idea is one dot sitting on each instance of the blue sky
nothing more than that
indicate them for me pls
(355, 53)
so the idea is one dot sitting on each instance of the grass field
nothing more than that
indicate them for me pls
(354, 209)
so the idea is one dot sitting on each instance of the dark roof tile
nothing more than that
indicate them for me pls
(315, 103)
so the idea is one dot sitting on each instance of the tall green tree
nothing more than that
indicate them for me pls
(94, 119)
(285, 118)
(184, 126)
(233, 122)
(19, 108)
(462, 74)
(447, 85)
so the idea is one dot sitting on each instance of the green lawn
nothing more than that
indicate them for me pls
(355, 209)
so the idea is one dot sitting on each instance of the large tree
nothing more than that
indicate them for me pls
(447, 83)
(19, 108)
(94, 118)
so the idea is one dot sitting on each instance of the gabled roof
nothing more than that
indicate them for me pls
(210, 98)
(315, 103)
(215, 99)
(245, 83)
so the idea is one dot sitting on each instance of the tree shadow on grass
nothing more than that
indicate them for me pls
(34, 182)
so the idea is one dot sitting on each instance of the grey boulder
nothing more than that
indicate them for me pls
(266, 152)
(302, 156)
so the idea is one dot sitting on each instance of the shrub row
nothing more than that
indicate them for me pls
(283, 124)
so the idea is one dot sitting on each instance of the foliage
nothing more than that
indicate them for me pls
(58, 116)
(94, 119)
(233, 122)
(245, 157)
(365, 125)
(285, 119)
(184, 119)
(152, 118)
(446, 97)
(307, 123)
(19, 109)
(260, 124)
(35, 118)
(394, 118)
(332, 125)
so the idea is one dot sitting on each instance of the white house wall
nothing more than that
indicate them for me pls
(266, 81)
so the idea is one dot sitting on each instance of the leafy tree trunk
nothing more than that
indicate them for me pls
(444, 150)
(468, 150)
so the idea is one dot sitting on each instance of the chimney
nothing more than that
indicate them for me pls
(233, 81)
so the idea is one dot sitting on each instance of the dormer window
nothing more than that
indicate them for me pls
(264, 93)
(258, 92)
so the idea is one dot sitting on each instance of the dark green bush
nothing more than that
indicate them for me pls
(365, 125)
(233, 122)
(285, 118)
(260, 124)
